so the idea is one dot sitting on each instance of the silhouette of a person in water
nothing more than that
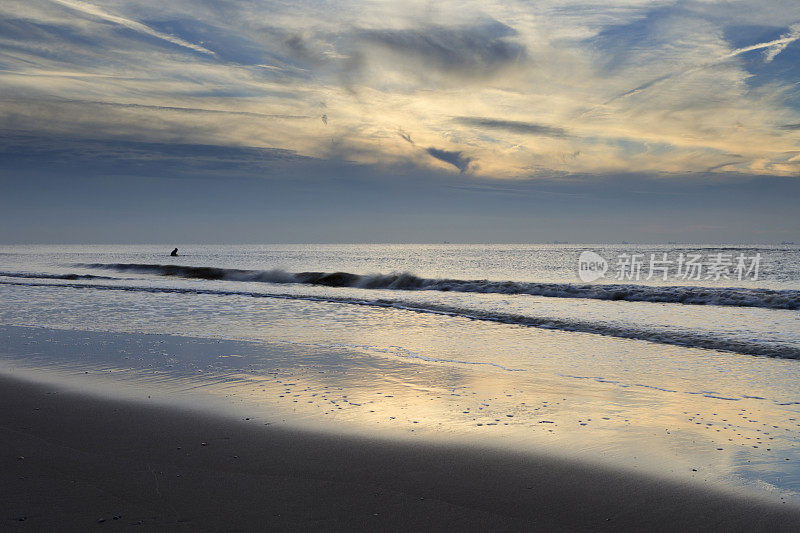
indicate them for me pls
(174, 252)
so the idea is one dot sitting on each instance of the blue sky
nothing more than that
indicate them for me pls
(267, 121)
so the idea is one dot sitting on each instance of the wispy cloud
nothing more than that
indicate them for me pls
(124, 105)
(500, 89)
(90, 9)
(772, 49)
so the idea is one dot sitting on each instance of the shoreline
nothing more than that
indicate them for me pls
(73, 459)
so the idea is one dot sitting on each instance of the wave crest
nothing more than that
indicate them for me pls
(728, 296)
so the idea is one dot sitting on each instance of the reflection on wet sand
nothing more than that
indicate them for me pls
(531, 400)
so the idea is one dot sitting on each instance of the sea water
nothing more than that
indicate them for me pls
(657, 367)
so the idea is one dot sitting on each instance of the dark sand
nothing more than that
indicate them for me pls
(69, 460)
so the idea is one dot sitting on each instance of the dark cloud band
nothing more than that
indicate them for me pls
(457, 159)
(514, 126)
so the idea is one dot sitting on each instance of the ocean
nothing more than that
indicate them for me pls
(677, 359)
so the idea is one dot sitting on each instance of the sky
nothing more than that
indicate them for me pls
(373, 121)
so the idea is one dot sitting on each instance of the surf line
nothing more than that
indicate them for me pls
(688, 340)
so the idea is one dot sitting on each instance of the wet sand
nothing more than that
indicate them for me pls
(70, 461)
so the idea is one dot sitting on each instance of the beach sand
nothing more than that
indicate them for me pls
(71, 460)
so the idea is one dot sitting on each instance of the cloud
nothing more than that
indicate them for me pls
(779, 45)
(471, 50)
(123, 105)
(457, 159)
(136, 26)
(772, 49)
(527, 89)
(405, 136)
(116, 157)
(514, 126)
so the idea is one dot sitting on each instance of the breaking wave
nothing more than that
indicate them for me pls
(729, 296)
(625, 331)
(68, 277)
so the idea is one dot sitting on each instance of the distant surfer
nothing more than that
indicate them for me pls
(174, 252)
